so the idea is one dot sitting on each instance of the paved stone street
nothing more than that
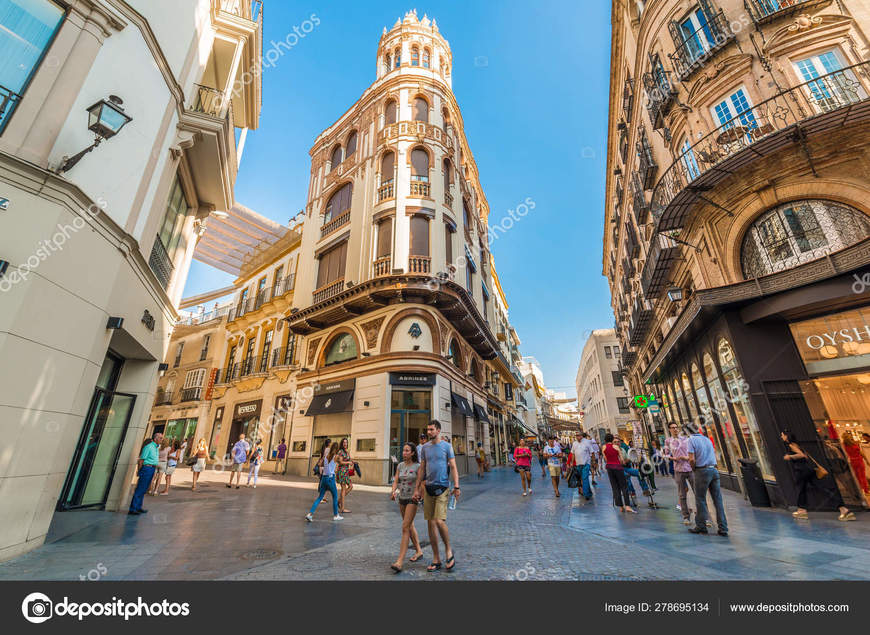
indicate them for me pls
(261, 534)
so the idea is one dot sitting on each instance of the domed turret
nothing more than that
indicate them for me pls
(414, 46)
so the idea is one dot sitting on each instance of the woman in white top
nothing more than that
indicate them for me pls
(327, 465)
(171, 463)
(404, 483)
(161, 466)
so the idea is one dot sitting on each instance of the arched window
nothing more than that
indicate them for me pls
(466, 215)
(475, 370)
(397, 57)
(421, 109)
(338, 202)
(419, 236)
(448, 176)
(690, 398)
(798, 232)
(335, 158)
(388, 163)
(445, 115)
(390, 111)
(720, 405)
(419, 165)
(350, 148)
(388, 63)
(678, 399)
(426, 57)
(454, 353)
(341, 349)
(738, 394)
(706, 416)
(415, 56)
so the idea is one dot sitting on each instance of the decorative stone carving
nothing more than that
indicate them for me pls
(804, 21)
(371, 330)
(312, 350)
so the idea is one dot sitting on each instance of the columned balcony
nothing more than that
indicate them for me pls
(829, 102)
(382, 266)
(336, 223)
(419, 264)
(328, 290)
(419, 189)
(386, 191)
(766, 11)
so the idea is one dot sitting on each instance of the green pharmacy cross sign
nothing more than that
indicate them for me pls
(644, 401)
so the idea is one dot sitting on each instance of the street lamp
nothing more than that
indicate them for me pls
(675, 294)
(105, 120)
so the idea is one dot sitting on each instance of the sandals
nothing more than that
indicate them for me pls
(416, 557)
(433, 566)
(448, 566)
(395, 568)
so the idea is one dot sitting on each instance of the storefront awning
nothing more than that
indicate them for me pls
(331, 403)
(480, 413)
(462, 404)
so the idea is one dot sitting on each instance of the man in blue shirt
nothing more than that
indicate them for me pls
(146, 464)
(438, 464)
(702, 458)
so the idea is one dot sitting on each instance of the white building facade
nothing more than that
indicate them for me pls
(602, 393)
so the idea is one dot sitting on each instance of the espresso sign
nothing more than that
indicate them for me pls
(246, 410)
(412, 379)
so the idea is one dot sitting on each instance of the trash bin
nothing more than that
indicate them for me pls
(754, 483)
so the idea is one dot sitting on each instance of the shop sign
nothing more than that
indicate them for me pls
(247, 410)
(210, 385)
(834, 342)
(335, 386)
(412, 379)
(644, 401)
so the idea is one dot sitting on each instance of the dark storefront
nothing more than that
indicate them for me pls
(246, 418)
(752, 369)
(332, 409)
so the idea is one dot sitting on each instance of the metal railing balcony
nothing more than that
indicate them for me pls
(282, 356)
(160, 263)
(8, 101)
(331, 225)
(693, 50)
(766, 11)
(638, 200)
(207, 100)
(202, 318)
(789, 111)
(191, 394)
(628, 98)
(646, 164)
(661, 94)
(163, 398)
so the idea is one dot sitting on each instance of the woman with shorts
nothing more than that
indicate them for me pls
(161, 466)
(171, 464)
(201, 453)
(404, 483)
(523, 459)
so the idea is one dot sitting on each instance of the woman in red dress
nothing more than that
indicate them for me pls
(856, 460)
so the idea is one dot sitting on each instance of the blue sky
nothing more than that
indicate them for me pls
(531, 80)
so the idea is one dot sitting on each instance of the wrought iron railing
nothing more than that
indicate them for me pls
(448, 199)
(693, 50)
(628, 98)
(8, 101)
(207, 100)
(646, 163)
(328, 290)
(202, 318)
(766, 11)
(163, 398)
(826, 93)
(641, 317)
(191, 394)
(661, 93)
(160, 263)
(638, 200)
(283, 286)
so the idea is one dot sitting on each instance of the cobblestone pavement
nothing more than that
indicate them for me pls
(260, 534)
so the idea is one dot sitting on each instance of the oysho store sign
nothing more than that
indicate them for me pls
(834, 342)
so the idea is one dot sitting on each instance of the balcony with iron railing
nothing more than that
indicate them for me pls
(638, 200)
(263, 297)
(160, 263)
(661, 95)
(202, 318)
(419, 264)
(283, 356)
(831, 101)
(641, 318)
(163, 398)
(191, 394)
(382, 266)
(695, 49)
(328, 290)
(335, 223)
(448, 199)
(628, 99)
(8, 102)
(766, 11)
(646, 163)
(662, 254)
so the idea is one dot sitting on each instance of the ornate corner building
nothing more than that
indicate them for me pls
(737, 236)
(394, 293)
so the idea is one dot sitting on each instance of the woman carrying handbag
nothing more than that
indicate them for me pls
(807, 471)
(345, 471)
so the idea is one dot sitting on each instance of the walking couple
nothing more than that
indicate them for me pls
(429, 481)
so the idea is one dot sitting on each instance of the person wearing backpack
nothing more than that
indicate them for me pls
(326, 467)
(256, 459)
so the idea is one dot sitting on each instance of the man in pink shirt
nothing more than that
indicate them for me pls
(677, 449)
